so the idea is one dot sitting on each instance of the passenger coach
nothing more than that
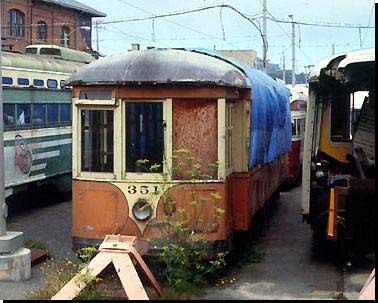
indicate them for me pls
(147, 104)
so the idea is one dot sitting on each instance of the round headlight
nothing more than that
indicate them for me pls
(142, 210)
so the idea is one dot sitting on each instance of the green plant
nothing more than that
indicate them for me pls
(185, 258)
(30, 243)
(59, 272)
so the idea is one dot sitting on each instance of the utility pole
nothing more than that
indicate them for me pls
(265, 66)
(283, 68)
(98, 44)
(333, 48)
(15, 261)
(293, 50)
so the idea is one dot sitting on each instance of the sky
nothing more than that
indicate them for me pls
(226, 29)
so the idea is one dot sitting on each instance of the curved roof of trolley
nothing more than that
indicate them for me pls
(39, 63)
(161, 66)
(342, 61)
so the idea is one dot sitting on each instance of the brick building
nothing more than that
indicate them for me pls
(61, 22)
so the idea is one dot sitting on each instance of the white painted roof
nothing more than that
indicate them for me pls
(362, 55)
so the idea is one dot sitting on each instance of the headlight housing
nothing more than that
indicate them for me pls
(142, 210)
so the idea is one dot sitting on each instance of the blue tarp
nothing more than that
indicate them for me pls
(270, 114)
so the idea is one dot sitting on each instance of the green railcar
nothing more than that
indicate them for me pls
(37, 120)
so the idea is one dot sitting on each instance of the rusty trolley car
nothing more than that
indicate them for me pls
(338, 186)
(145, 105)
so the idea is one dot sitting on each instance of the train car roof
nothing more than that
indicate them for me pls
(38, 62)
(64, 53)
(342, 60)
(161, 66)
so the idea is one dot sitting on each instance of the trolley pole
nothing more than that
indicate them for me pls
(15, 263)
(293, 50)
(265, 38)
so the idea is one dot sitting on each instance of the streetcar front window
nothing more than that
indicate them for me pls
(97, 144)
(144, 135)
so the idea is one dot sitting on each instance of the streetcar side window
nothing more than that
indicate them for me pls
(52, 83)
(65, 112)
(97, 144)
(7, 80)
(38, 82)
(39, 114)
(293, 128)
(23, 81)
(144, 135)
(9, 114)
(52, 113)
(23, 114)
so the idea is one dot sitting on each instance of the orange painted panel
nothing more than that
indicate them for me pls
(195, 128)
(183, 195)
(98, 209)
(241, 203)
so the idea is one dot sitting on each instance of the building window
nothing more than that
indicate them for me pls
(144, 135)
(16, 23)
(42, 31)
(97, 140)
(64, 38)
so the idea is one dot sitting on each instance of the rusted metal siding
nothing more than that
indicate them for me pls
(195, 128)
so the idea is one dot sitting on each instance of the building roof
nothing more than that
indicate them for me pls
(161, 66)
(76, 5)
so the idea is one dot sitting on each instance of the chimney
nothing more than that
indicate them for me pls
(135, 46)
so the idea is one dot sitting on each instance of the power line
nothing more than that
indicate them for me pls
(371, 13)
(188, 12)
(321, 24)
(178, 24)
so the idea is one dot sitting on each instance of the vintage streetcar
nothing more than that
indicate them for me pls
(338, 183)
(298, 106)
(37, 116)
(149, 104)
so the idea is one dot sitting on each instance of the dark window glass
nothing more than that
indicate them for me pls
(293, 128)
(52, 83)
(64, 36)
(16, 23)
(31, 50)
(144, 134)
(9, 114)
(52, 113)
(38, 82)
(23, 114)
(96, 95)
(23, 81)
(65, 112)
(97, 140)
(39, 113)
(62, 83)
(50, 51)
(42, 31)
(7, 80)
(340, 118)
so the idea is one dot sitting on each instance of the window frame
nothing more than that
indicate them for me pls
(16, 23)
(64, 30)
(77, 107)
(167, 144)
(41, 31)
